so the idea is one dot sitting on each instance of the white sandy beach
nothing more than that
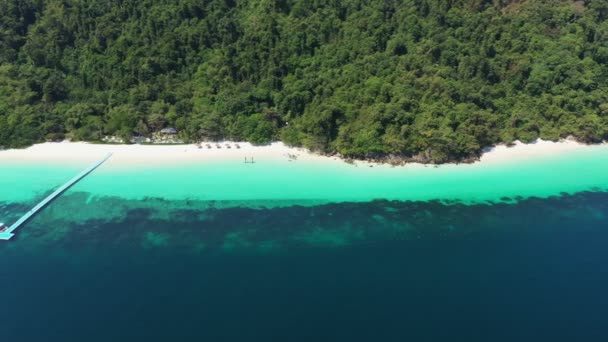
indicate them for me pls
(538, 149)
(157, 155)
(142, 155)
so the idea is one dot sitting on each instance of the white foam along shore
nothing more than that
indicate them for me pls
(171, 155)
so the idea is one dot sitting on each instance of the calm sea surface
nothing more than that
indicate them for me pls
(515, 253)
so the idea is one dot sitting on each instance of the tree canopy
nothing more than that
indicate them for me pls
(436, 79)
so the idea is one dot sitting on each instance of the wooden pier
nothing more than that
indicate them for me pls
(7, 233)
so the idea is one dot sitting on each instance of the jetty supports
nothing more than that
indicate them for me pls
(7, 233)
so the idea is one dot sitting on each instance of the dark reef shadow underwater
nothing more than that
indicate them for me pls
(154, 270)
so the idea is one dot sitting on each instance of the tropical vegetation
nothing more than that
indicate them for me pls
(433, 79)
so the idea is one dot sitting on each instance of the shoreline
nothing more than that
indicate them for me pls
(132, 155)
(215, 175)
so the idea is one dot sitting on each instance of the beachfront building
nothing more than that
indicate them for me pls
(169, 131)
(166, 136)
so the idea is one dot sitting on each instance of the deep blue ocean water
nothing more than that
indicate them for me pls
(535, 270)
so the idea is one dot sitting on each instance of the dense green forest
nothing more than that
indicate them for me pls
(435, 79)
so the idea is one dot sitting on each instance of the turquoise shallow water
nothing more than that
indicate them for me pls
(199, 192)
(302, 183)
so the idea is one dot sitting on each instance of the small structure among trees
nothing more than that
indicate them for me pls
(166, 136)
(169, 130)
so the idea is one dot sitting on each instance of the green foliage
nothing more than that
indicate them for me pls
(434, 79)
(256, 129)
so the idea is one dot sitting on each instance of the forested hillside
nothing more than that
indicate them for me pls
(436, 79)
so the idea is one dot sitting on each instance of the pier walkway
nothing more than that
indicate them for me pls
(7, 233)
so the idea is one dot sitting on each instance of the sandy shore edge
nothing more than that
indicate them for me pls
(171, 155)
